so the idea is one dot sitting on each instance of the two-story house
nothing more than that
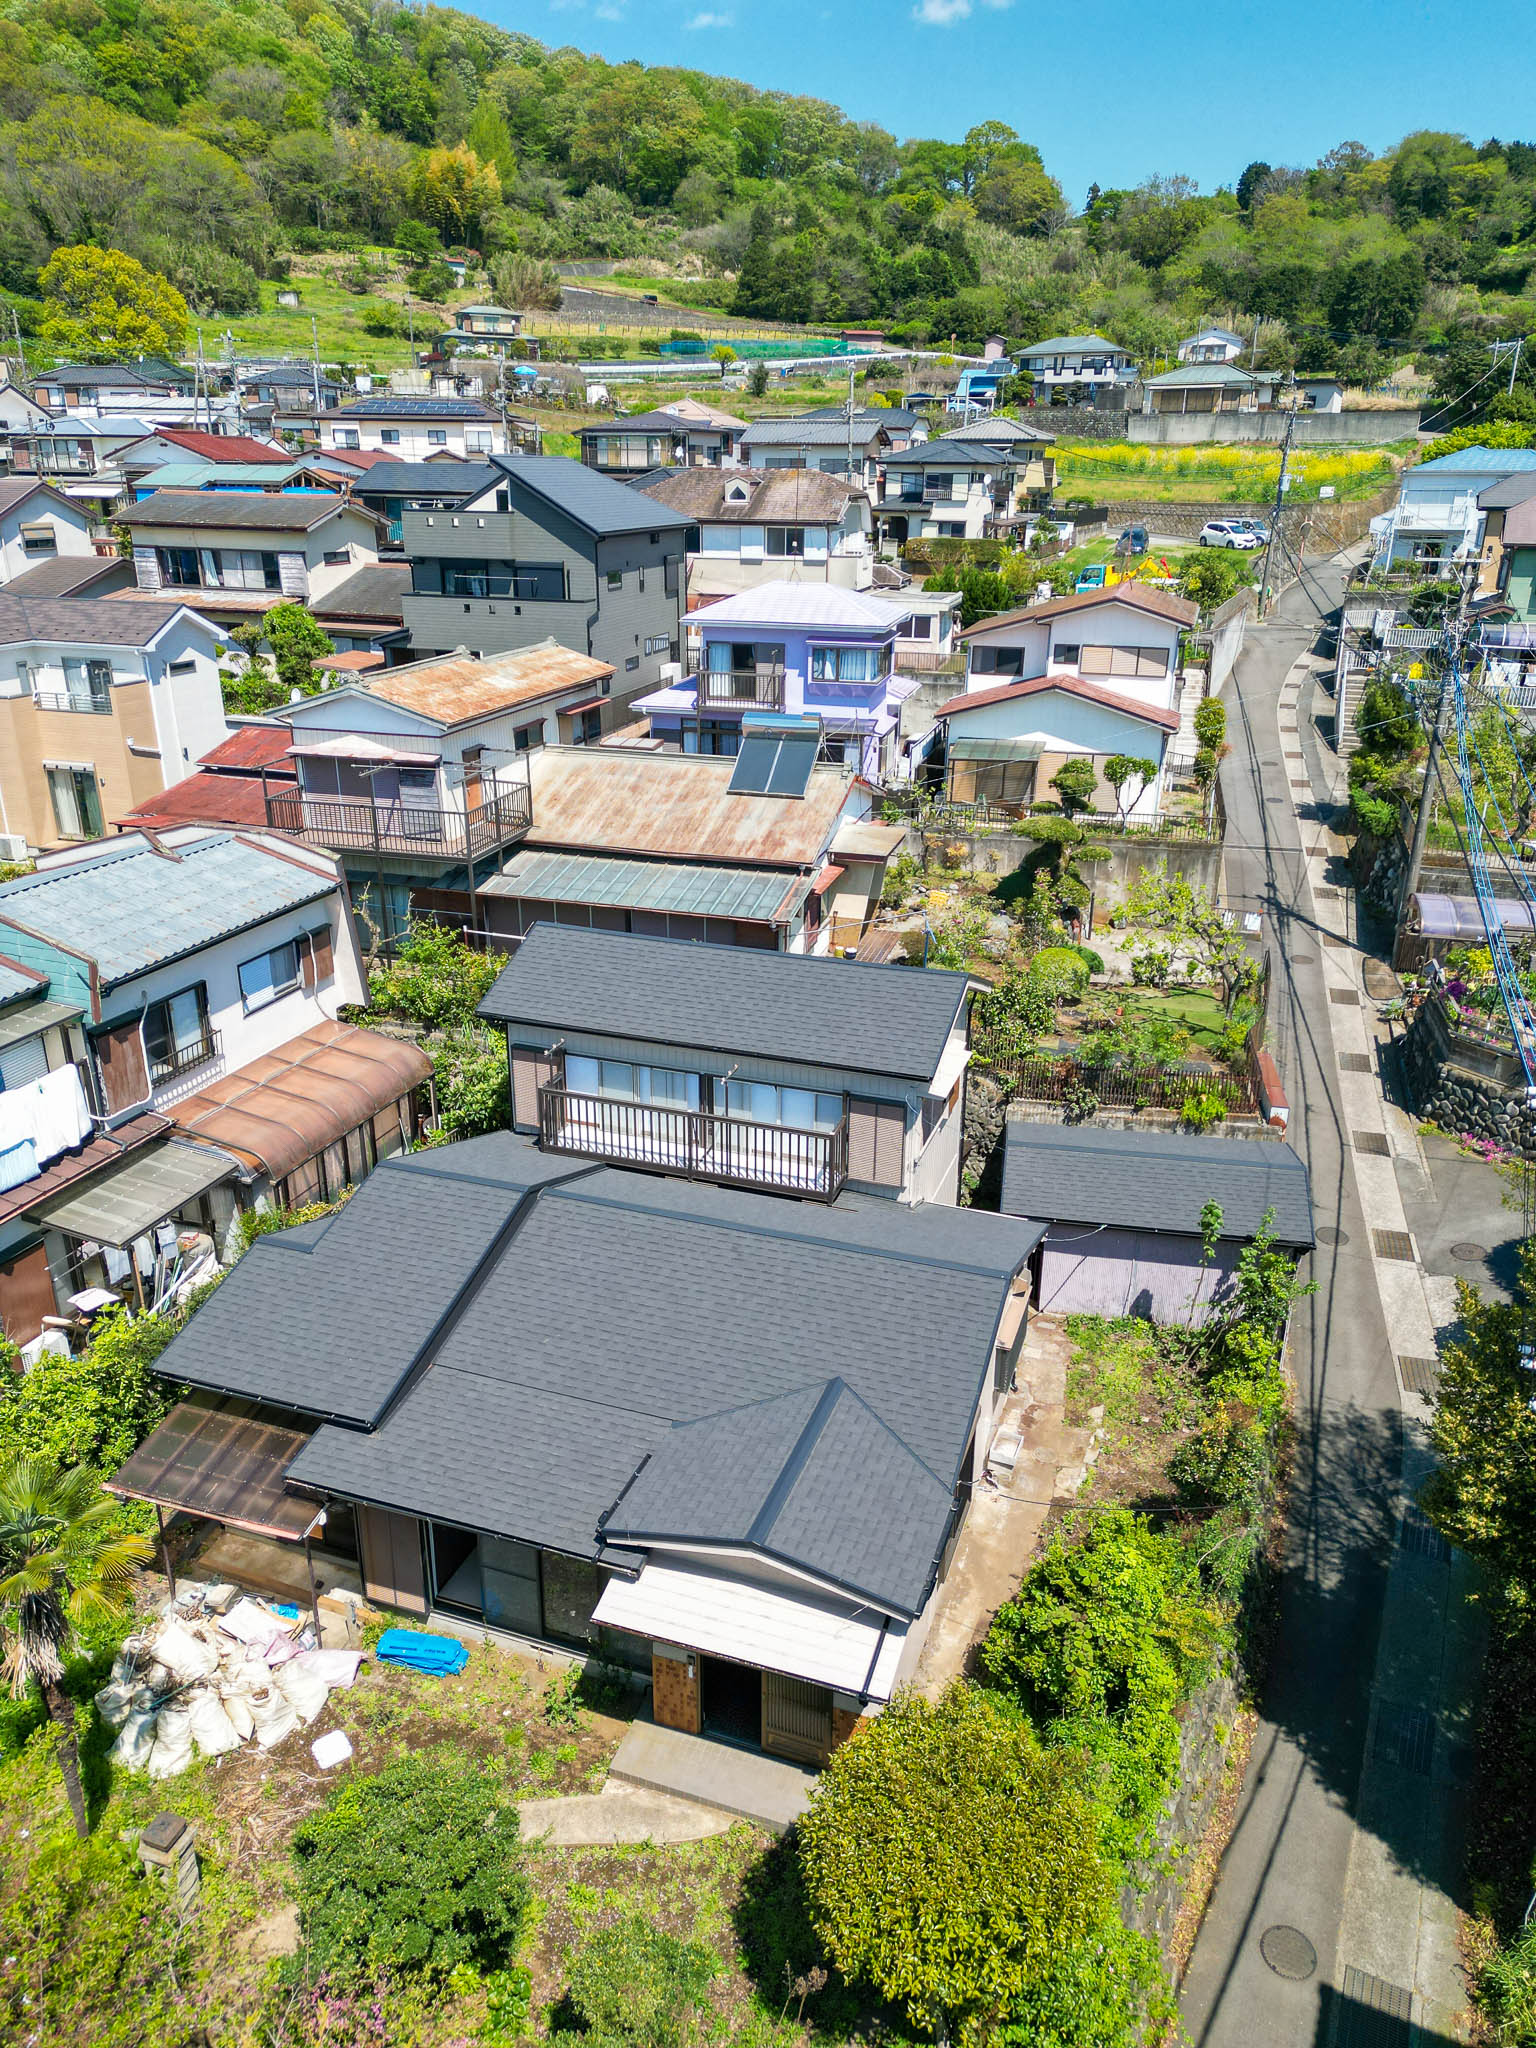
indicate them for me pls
(902, 426)
(81, 455)
(1505, 568)
(1212, 345)
(19, 414)
(644, 441)
(1437, 520)
(1092, 675)
(1212, 387)
(414, 429)
(757, 1069)
(1075, 363)
(169, 447)
(739, 1465)
(954, 489)
(688, 846)
(177, 1058)
(38, 524)
(234, 554)
(550, 550)
(103, 702)
(789, 651)
(389, 488)
(752, 526)
(482, 330)
(837, 445)
(151, 386)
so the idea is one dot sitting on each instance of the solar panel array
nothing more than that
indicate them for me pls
(774, 764)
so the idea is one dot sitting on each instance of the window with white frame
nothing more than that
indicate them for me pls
(849, 664)
(269, 976)
(437, 437)
(628, 1081)
(346, 437)
(801, 1109)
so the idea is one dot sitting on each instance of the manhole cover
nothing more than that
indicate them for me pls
(1469, 1254)
(1303, 959)
(1328, 1233)
(1420, 1375)
(1354, 1063)
(1344, 996)
(1288, 1952)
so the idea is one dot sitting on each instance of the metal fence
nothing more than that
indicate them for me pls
(1060, 1077)
(928, 812)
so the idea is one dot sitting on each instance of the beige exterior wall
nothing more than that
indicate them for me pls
(32, 740)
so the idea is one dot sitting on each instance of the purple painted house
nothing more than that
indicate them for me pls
(790, 651)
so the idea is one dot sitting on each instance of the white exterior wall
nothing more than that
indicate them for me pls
(306, 575)
(1071, 725)
(188, 708)
(70, 532)
(1102, 625)
(464, 437)
(359, 712)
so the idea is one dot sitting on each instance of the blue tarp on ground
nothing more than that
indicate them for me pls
(418, 1651)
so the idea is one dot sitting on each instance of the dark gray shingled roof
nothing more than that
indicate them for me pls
(374, 591)
(423, 479)
(591, 499)
(1154, 1180)
(258, 511)
(496, 1386)
(730, 999)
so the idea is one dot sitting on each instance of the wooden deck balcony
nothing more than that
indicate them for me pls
(696, 1143)
(396, 825)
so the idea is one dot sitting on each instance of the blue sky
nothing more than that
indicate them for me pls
(1201, 89)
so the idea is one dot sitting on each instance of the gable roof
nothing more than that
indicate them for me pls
(1139, 596)
(731, 1000)
(374, 590)
(145, 374)
(1212, 333)
(490, 1384)
(1155, 1180)
(382, 405)
(131, 906)
(77, 576)
(454, 478)
(111, 621)
(1497, 462)
(974, 448)
(222, 447)
(996, 431)
(15, 490)
(1223, 376)
(772, 495)
(258, 511)
(658, 421)
(1068, 685)
(591, 499)
(1075, 344)
(812, 432)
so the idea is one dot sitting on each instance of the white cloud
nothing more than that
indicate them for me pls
(941, 13)
(711, 21)
(608, 12)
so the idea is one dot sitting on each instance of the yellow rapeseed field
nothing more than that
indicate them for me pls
(1245, 475)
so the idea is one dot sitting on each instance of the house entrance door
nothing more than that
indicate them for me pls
(797, 1718)
(731, 1699)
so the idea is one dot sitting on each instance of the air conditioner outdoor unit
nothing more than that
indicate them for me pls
(13, 846)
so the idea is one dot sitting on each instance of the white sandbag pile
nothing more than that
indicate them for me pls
(212, 1673)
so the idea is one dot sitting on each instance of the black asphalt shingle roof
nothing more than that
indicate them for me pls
(491, 1383)
(263, 511)
(585, 495)
(730, 999)
(1154, 1180)
(424, 480)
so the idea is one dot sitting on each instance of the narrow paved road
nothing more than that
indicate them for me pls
(1288, 1858)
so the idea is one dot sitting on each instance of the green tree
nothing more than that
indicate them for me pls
(1121, 771)
(64, 1564)
(723, 354)
(1209, 576)
(100, 305)
(490, 139)
(454, 190)
(635, 1983)
(1482, 1495)
(948, 1859)
(1076, 782)
(93, 1407)
(754, 279)
(410, 1872)
(297, 643)
(1191, 922)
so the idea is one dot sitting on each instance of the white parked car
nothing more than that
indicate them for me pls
(1229, 533)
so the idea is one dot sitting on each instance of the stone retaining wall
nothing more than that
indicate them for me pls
(1152, 1906)
(1467, 1087)
(995, 850)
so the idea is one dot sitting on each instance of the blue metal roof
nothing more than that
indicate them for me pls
(130, 908)
(14, 984)
(1493, 461)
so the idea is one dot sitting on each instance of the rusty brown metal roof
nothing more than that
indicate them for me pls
(460, 686)
(289, 1105)
(676, 807)
(771, 495)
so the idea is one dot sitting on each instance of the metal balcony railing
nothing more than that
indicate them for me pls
(360, 824)
(696, 1143)
(745, 689)
(181, 1059)
(99, 701)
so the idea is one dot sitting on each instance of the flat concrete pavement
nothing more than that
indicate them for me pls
(1288, 1861)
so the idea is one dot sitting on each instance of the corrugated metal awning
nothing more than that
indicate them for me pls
(29, 1018)
(805, 1635)
(659, 886)
(1461, 917)
(132, 1197)
(996, 750)
(223, 1458)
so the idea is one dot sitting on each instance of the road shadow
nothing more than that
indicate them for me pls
(1346, 2021)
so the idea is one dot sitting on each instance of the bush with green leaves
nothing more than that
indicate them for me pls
(949, 1858)
(1111, 1629)
(1008, 1019)
(94, 1409)
(1061, 971)
(1242, 1345)
(410, 1873)
(435, 979)
(635, 1983)
(1076, 782)
(1506, 1992)
(1201, 1110)
(1211, 723)
(1106, 1992)
(1228, 1462)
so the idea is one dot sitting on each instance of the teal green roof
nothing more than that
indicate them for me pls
(241, 476)
(645, 885)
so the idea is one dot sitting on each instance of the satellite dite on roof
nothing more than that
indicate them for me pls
(776, 757)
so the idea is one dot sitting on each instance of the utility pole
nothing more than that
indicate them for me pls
(850, 423)
(1515, 362)
(1426, 808)
(1280, 482)
(21, 354)
(1253, 352)
(314, 329)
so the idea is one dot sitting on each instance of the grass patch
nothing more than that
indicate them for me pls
(1151, 1403)
(1201, 1014)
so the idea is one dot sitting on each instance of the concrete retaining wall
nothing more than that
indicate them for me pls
(1229, 624)
(997, 851)
(1313, 429)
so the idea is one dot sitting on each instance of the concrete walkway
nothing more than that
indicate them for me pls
(619, 1813)
(739, 1782)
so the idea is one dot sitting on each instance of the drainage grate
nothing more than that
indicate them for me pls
(1345, 996)
(1392, 1244)
(1374, 1143)
(1418, 1536)
(1355, 1063)
(1373, 2013)
(1294, 754)
(1326, 894)
(1328, 1233)
(1405, 1736)
(1333, 939)
(1419, 1375)
(1288, 1953)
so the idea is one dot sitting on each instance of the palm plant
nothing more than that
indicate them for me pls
(63, 1564)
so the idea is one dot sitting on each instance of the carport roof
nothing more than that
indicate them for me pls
(1155, 1181)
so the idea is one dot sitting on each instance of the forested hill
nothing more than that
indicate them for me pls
(206, 137)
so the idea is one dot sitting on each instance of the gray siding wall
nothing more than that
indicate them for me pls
(1131, 1273)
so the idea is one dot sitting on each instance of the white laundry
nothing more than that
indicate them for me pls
(18, 1135)
(63, 1120)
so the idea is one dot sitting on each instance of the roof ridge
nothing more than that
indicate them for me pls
(760, 1528)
